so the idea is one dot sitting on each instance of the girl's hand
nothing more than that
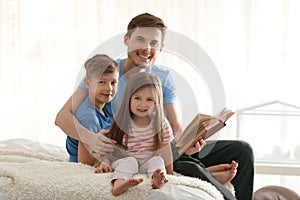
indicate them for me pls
(196, 147)
(176, 174)
(102, 168)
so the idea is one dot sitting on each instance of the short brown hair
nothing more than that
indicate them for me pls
(146, 20)
(100, 64)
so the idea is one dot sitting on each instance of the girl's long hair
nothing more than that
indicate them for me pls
(123, 116)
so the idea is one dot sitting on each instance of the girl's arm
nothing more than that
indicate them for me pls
(166, 153)
(166, 150)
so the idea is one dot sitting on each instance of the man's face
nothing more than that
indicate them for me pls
(144, 46)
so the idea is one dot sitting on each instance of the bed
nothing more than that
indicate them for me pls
(33, 170)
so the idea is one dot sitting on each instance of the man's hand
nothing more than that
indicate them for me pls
(196, 147)
(98, 144)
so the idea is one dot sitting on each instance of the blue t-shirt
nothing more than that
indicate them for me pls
(168, 87)
(91, 118)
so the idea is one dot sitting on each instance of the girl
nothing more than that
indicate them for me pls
(143, 133)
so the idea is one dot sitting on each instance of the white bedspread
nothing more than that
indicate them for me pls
(41, 171)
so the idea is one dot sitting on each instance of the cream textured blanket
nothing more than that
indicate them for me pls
(39, 175)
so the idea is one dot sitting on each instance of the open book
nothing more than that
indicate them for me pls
(202, 127)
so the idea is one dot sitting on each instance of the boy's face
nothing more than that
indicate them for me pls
(102, 89)
(144, 46)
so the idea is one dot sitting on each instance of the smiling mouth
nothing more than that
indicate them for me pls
(143, 55)
(142, 110)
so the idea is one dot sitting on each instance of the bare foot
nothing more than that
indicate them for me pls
(224, 173)
(121, 185)
(158, 179)
(218, 168)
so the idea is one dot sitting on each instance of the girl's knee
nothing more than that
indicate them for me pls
(126, 163)
(156, 162)
(133, 161)
(157, 159)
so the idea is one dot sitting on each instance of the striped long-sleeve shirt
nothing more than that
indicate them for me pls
(141, 140)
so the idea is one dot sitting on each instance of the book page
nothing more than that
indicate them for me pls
(224, 115)
(202, 127)
(192, 130)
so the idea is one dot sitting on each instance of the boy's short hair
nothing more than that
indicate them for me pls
(146, 20)
(100, 64)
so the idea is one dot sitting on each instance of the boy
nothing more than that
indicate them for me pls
(95, 112)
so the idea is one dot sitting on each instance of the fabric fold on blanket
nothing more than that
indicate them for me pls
(38, 175)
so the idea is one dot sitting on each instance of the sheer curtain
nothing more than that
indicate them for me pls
(253, 43)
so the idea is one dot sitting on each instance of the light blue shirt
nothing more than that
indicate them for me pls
(91, 118)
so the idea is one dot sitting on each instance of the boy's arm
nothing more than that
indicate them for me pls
(84, 156)
(66, 121)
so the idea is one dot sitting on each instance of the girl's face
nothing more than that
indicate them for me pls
(102, 89)
(142, 102)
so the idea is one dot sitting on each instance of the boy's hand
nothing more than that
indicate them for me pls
(98, 144)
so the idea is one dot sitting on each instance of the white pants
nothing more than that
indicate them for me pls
(126, 167)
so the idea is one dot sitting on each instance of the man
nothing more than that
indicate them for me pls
(144, 41)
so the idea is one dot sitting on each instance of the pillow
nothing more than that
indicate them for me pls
(275, 192)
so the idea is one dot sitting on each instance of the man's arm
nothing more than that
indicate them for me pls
(66, 121)
(173, 117)
(65, 118)
(172, 114)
